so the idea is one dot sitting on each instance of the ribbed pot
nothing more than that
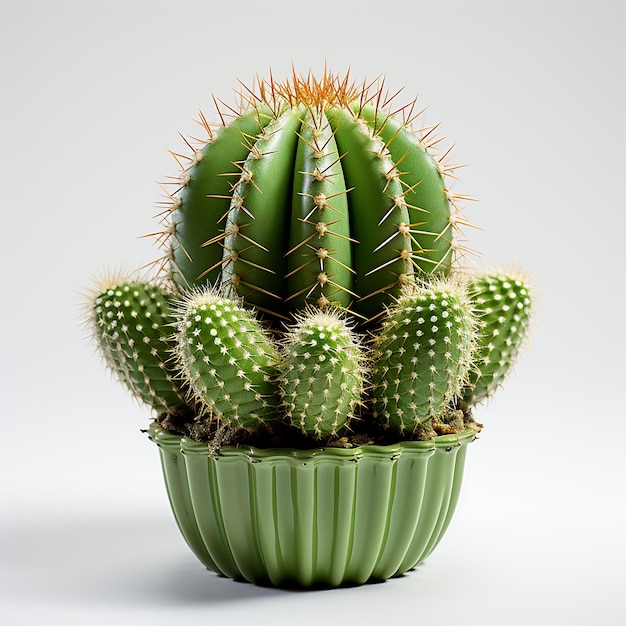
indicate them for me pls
(326, 516)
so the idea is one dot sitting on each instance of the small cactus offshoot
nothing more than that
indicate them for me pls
(322, 373)
(502, 304)
(131, 322)
(227, 358)
(312, 252)
(422, 356)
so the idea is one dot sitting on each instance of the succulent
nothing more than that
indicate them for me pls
(314, 285)
(422, 356)
(322, 374)
(313, 194)
(131, 321)
(227, 358)
(502, 304)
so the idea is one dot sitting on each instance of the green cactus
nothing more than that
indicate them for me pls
(314, 194)
(502, 305)
(227, 358)
(131, 323)
(322, 373)
(422, 356)
(318, 206)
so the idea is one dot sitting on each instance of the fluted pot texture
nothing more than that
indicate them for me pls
(327, 516)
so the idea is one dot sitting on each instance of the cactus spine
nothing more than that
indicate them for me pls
(322, 373)
(131, 324)
(502, 305)
(422, 356)
(227, 358)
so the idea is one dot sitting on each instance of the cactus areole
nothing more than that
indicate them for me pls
(312, 192)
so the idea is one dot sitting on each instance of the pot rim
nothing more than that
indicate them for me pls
(187, 446)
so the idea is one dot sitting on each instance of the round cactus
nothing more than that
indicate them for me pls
(315, 193)
(227, 358)
(322, 373)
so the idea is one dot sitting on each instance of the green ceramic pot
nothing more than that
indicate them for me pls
(326, 516)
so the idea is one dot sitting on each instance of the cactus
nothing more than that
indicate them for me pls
(314, 194)
(422, 356)
(131, 321)
(319, 207)
(227, 358)
(322, 373)
(503, 305)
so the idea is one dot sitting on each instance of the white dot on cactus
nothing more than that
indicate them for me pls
(435, 329)
(420, 320)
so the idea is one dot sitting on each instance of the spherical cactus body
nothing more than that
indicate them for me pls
(314, 194)
(322, 374)
(131, 322)
(502, 305)
(422, 356)
(228, 359)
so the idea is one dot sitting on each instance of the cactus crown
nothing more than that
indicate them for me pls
(317, 205)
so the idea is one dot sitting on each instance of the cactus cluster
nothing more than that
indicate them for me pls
(313, 278)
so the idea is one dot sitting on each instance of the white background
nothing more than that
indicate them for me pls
(93, 94)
